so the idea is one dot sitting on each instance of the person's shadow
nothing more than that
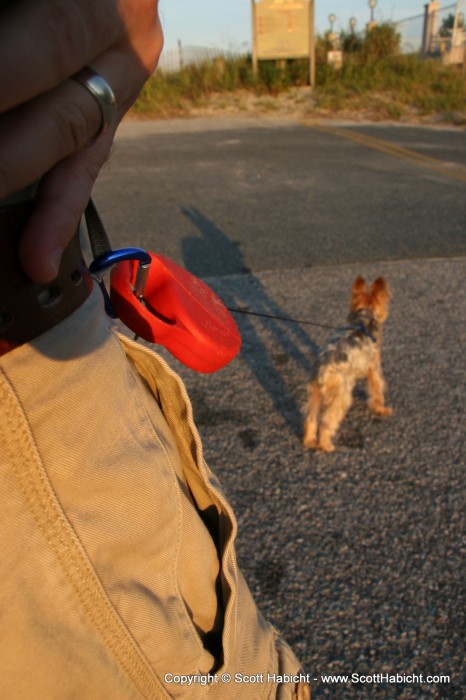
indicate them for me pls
(213, 254)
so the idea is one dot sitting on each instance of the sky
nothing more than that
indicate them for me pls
(226, 24)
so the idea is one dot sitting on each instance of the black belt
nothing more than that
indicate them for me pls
(28, 309)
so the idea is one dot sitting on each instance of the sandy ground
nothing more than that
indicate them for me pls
(301, 103)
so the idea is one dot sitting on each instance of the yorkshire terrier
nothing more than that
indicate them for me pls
(352, 353)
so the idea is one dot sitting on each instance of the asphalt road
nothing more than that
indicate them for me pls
(223, 197)
(358, 557)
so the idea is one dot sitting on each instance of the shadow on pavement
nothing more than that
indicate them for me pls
(215, 255)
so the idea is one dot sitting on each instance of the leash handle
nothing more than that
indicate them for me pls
(162, 302)
(179, 311)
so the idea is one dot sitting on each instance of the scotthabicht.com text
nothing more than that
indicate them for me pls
(354, 678)
(387, 678)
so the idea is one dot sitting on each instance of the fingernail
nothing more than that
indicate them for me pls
(55, 260)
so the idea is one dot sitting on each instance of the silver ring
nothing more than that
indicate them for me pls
(101, 92)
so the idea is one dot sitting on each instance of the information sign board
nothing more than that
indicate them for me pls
(283, 29)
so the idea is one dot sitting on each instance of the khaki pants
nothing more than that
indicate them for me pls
(118, 570)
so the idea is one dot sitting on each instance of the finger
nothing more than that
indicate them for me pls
(35, 136)
(38, 134)
(67, 36)
(62, 197)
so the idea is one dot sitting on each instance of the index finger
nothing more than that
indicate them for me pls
(44, 42)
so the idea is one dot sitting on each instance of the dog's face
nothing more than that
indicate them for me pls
(376, 299)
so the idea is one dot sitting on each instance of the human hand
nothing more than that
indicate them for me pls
(48, 122)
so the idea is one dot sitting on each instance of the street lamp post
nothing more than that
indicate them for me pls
(372, 4)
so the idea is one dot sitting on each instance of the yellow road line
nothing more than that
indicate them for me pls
(458, 172)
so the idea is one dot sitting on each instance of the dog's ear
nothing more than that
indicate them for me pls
(380, 288)
(380, 296)
(358, 294)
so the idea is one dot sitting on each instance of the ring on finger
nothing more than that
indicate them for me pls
(102, 93)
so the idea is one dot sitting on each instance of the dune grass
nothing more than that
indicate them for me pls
(374, 76)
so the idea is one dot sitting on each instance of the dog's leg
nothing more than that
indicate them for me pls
(310, 424)
(338, 401)
(376, 387)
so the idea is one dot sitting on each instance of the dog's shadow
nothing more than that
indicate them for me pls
(213, 254)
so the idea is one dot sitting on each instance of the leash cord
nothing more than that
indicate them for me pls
(283, 318)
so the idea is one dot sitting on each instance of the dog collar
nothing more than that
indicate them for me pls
(360, 326)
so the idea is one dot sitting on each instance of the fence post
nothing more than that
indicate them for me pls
(430, 26)
(255, 66)
(312, 49)
(180, 54)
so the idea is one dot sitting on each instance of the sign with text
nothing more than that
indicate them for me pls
(281, 28)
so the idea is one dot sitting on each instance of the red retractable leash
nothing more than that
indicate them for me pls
(163, 303)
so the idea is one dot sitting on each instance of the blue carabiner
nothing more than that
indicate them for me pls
(106, 260)
(112, 257)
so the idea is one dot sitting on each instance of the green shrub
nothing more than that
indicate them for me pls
(381, 42)
(373, 74)
(350, 42)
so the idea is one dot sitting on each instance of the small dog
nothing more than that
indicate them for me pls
(351, 354)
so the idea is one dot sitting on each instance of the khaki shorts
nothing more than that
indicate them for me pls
(118, 567)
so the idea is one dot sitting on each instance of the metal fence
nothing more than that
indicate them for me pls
(450, 42)
(440, 31)
(411, 33)
(173, 60)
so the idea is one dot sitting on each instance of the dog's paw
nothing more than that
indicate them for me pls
(309, 443)
(326, 446)
(384, 411)
(381, 410)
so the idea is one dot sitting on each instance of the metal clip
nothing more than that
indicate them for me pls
(112, 257)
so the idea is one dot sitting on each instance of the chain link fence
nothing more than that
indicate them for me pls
(411, 33)
(439, 32)
(173, 60)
